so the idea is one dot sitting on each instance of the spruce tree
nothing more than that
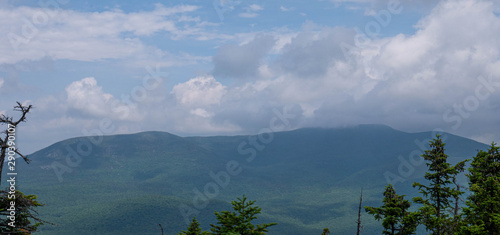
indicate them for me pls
(394, 213)
(437, 201)
(240, 220)
(194, 229)
(26, 215)
(482, 214)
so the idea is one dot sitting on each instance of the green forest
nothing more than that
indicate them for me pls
(437, 209)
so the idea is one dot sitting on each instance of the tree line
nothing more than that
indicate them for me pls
(439, 210)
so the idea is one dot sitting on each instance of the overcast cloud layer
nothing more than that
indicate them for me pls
(230, 67)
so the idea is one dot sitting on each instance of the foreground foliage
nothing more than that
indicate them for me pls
(237, 222)
(25, 218)
(482, 214)
(440, 210)
(397, 219)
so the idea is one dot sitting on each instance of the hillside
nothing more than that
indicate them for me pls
(305, 179)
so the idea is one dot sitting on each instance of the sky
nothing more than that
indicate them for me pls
(228, 67)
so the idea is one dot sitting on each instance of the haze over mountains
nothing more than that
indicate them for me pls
(305, 180)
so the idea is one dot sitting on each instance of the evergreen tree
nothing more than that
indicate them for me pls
(194, 229)
(482, 214)
(326, 231)
(437, 210)
(396, 219)
(240, 220)
(25, 219)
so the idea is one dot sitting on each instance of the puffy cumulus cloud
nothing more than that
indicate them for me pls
(455, 44)
(242, 61)
(196, 103)
(34, 33)
(456, 31)
(86, 96)
(199, 92)
(88, 99)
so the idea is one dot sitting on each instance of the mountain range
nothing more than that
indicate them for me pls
(304, 179)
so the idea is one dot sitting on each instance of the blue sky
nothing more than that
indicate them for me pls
(224, 67)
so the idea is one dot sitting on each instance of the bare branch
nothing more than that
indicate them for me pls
(26, 159)
(24, 110)
(10, 121)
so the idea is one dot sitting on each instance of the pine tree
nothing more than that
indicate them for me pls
(436, 211)
(240, 220)
(26, 216)
(396, 219)
(326, 231)
(482, 214)
(194, 229)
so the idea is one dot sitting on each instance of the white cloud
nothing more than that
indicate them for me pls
(87, 98)
(35, 33)
(282, 8)
(1, 82)
(199, 92)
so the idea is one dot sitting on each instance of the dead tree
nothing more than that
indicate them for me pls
(359, 212)
(161, 229)
(5, 146)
